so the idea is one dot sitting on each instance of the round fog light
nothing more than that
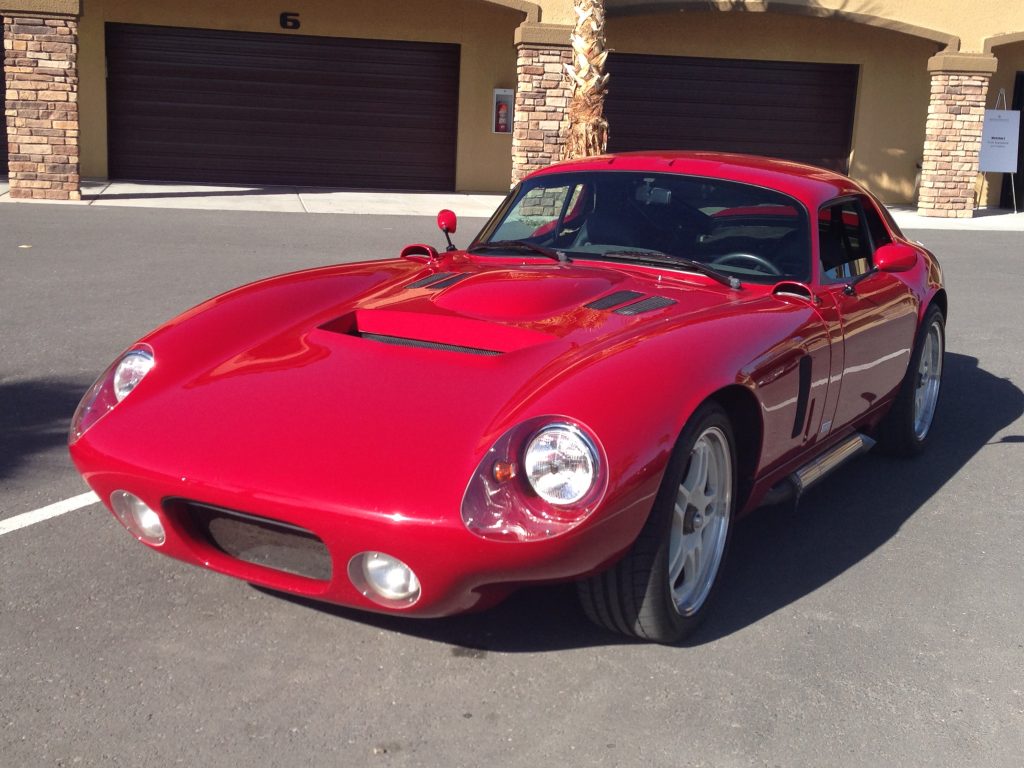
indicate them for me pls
(137, 517)
(384, 579)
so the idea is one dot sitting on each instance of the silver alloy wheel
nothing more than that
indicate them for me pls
(700, 522)
(929, 378)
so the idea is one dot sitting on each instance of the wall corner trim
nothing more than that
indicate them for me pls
(547, 35)
(41, 8)
(981, 63)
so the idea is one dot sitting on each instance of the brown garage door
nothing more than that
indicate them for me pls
(234, 107)
(790, 110)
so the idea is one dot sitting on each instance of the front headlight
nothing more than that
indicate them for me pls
(561, 464)
(540, 479)
(130, 371)
(113, 386)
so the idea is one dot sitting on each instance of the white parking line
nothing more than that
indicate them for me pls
(45, 513)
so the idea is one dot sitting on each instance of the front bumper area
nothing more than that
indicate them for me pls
(457, 570)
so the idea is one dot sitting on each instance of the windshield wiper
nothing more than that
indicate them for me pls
(521, 245)
(659, 258)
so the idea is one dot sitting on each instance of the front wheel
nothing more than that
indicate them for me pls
(662, 587)
(905, 429)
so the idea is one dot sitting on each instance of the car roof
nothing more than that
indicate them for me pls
(812, 185)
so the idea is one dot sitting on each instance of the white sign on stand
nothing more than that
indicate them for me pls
(1000, 134)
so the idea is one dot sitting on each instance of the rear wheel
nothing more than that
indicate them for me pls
(662, 587)
(905, 429)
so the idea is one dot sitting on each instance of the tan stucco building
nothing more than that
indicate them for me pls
(416, 94)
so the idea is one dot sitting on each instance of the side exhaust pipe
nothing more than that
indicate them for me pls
(819, 468)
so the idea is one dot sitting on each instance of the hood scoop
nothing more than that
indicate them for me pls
(401, 341)
(440, 332)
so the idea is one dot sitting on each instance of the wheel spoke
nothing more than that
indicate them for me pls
(929, 379)
(696, 480)
(703, 505)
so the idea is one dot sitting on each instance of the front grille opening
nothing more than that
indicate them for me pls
(264, 542)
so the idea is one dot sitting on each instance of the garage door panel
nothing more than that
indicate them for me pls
(281, 109)
(793, 110)
(697, 113)
(335, 100)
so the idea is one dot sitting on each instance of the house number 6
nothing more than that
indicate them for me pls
(290, 21)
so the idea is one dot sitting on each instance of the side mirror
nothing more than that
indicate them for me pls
(895, 257)
(447, 223)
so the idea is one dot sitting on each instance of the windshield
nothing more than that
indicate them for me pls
(740, 230)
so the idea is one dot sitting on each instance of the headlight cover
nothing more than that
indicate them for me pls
(560, 463)
(130, 371)
(539, 480)
(113, 386)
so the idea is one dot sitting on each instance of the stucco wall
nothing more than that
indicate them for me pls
(972, 21)
(893, 87)
(484, 30)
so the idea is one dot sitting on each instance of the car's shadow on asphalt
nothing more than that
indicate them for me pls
(779, 554)
(34, 417)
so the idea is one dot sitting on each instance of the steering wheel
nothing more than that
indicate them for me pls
(760, 263)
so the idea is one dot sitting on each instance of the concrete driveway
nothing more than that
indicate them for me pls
(878, 624)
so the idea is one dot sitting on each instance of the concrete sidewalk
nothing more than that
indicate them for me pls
(325, 200)
(217, 197)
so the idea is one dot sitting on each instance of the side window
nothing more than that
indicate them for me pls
(843, 244)
(879, 234)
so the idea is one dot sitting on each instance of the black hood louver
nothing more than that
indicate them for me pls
(614, 299)
(649, 304)
(438, 280)
(631, 305)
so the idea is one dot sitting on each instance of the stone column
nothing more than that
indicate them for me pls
(949, 172)
(41, 106)
(541, 116)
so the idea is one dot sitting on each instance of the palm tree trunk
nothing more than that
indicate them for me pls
(588, 130)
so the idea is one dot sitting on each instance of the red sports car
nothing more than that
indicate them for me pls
(636, 350)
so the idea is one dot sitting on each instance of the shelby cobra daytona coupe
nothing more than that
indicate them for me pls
(635, 350)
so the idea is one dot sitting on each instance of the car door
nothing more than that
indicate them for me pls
(876, 311)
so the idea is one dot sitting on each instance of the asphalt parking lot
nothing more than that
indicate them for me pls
(880, 623)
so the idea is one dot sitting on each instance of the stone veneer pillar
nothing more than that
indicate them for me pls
(949, 172)
(541, 115)
(41, 107)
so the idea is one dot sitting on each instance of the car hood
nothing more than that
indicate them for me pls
(383, 384)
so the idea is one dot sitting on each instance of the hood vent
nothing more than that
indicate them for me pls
(649, 304)
(401, 341)
(620, 298)
(614, 299)
(438, 280)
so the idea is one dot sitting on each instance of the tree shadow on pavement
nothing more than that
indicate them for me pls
(34, 418)
(778, 555)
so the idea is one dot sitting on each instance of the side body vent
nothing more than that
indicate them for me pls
(649, 304)
(614, 299)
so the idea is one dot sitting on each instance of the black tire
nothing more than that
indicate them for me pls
(634, 596)
(906, 428)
